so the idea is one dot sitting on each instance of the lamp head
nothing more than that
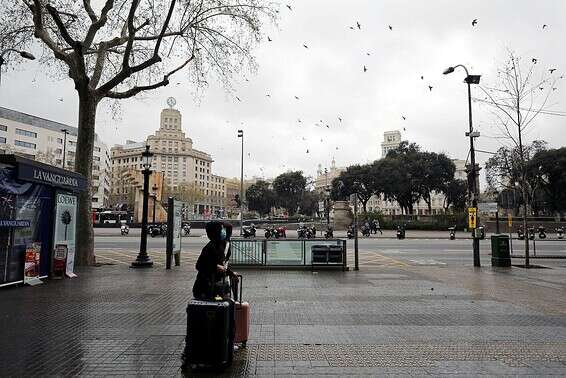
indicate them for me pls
(26, 55)
(449, 70)
(240, 133)
(147, 157)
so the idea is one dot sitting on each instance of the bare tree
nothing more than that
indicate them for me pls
(130, 46)
(519, 97)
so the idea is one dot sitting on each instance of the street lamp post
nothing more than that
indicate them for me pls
(473, 188)
(327, 198)
(143, 260)
(241, 135)
(23, 54)
(65, 131)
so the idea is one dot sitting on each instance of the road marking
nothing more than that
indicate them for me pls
(108, 258)
(428, 262)
(379, 258)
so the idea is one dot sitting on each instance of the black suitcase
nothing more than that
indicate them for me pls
(210, 333)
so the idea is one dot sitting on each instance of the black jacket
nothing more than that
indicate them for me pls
(210, 257)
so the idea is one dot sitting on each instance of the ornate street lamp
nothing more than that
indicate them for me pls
(473, 185)
(143, 260)
(154, 196)
(241, 135)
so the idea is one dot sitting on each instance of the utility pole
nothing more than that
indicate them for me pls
(64, 145)
(241, 135)
(356, 264)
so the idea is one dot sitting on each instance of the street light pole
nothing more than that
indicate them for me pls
(64, 145)
(356, 265)
(327, 198)
(241, 135)
(473, 188)
(23, 54)
(143, 260)
(154, 196)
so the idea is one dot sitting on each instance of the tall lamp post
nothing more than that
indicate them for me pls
(65, 131)
(241, 135)
(23, 54)
(154, 197)
(473, 188)
(143, 260)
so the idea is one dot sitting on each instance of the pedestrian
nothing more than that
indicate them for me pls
(211, 264)
(377, 226)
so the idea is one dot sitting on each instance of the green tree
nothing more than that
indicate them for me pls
(550, 166)
(289, 188)
(437, 172)
(260, 197)
(309, 202)
(116, 49)
(455, 194)
(186, 192)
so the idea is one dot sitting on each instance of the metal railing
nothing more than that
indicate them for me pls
(278, 252)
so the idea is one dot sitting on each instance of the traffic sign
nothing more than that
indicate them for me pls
(487, 207)
(472, 217)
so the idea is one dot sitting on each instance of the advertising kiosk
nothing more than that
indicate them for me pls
(38, 210)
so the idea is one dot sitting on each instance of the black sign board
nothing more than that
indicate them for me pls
(14, 223)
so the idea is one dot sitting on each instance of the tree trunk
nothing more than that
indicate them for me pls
(83, 165)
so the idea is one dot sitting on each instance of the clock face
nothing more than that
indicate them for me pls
(171, 101)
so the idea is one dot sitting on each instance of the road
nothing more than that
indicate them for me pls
(373, 251)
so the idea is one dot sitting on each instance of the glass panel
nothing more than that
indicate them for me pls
(284, 252)
(310, 243)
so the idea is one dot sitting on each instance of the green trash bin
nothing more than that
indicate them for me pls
(500, 256)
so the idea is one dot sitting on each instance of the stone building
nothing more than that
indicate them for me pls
(391, 140)
(180, 163)
(45, 141)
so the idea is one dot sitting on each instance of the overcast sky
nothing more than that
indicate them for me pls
(328, 78)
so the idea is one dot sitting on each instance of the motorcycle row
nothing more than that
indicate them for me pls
(540, 230)
(372, 227)
(157, 229)
(303, 232)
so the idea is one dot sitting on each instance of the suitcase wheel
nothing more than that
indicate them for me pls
(244, 343)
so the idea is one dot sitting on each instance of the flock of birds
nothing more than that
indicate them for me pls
(358, 26)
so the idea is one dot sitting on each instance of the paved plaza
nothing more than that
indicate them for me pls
(393, 317)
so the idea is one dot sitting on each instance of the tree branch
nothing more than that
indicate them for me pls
(61, 26)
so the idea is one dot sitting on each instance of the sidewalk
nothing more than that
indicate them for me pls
(410, 320)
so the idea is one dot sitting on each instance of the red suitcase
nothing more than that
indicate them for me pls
(242, 319)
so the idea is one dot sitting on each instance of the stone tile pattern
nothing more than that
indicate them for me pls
(113, 320)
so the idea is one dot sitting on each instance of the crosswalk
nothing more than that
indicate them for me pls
(124, 256)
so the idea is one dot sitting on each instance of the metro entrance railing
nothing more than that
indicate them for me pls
(279, 252)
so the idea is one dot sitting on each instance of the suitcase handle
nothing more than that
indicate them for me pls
(240, 283)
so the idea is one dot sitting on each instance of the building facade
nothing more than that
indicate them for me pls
(183, 167)
(324, 177)
(45, 141)
(391, 140)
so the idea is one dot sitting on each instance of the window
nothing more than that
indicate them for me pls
(24, 144)
(96, 158)
(58, 151)
(26, 133)
(2, 140)
(97, 149)
(59, 140)
(3, 128)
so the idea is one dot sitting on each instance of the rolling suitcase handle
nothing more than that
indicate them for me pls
(240, 283)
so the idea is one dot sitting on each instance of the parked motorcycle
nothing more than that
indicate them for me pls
(157, 230)
(374, 227)
(452, 231)
(350, 232)
(186, 229)
(401, 232)
(532, 233)
(305, 232)
(329, 234)
(560, 232)
(521, 233)
(272, 232)
(124, 229)
(541, 232)
(249, 232)
(313, 231)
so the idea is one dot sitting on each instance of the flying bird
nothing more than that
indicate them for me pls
(422, 77)
(288, 6)
(552, 70)
(534, 60)
(541, 88)
(475, 22)
(368, 54)
(296, 98)
(61, 99)
(339, 119)
(237, 98)
(268, 95)
(390, 27)
(337, 148)
(299, 120)
(544, 26)
(351, 27)
(430, 88)
(404, 129)
(403, 118)
(307, 151)
(554, 88)
(268, 39)
(359, 26)
(327, 128)
(305, 46)
(365, 69)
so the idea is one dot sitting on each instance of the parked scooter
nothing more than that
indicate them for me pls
(521, 233)
(452, 231)
(560, 232)
(401, 232)
(305, 232)
(157, 230)
(124, 229)
(272, 232)
(249, 232)
(541, 232)
(532, 233)
(186, 229)
(329, 234)
(350, 232)
(374, 227)
(313, 231)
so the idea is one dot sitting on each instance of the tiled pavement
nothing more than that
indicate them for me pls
(389, 318)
